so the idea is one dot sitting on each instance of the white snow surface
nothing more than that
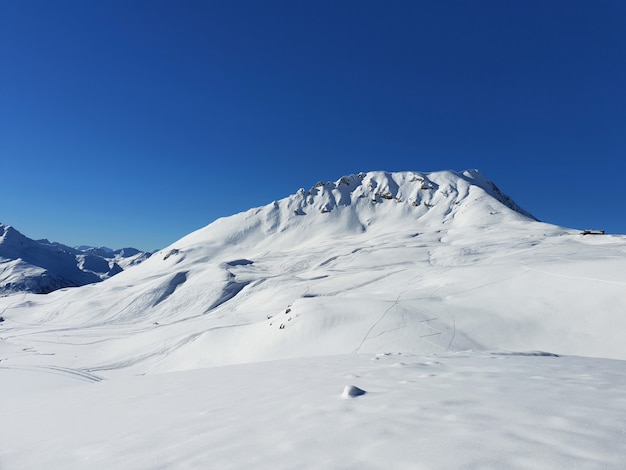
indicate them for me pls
(433, 293)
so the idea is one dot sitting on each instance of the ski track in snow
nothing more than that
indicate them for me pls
(578, 278)
(55, 370)
(366, 337)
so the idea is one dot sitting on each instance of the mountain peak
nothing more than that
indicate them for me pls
(8, 233)
(376, 203)
(416, 189)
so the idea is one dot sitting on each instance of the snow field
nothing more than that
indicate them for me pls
(459, 410)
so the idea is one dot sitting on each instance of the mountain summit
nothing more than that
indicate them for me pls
(424, 191)
(366, 203)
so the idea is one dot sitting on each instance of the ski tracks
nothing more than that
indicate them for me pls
(381, 318)
(77, 374)
(580, 278)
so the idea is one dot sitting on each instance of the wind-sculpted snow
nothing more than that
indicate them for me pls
(476, 304)
(178, 279)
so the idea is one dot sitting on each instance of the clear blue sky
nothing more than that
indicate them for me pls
(132, 123)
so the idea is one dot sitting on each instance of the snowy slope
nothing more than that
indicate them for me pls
(389, 275)
(39, 266)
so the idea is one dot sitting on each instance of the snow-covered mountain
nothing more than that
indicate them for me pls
(407, 262)
(41, 266)
(423, 288)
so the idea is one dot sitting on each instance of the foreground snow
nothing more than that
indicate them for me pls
(450, 411)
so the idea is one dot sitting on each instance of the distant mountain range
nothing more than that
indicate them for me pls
(41, 266)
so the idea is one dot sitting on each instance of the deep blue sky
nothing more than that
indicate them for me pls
(135, 122)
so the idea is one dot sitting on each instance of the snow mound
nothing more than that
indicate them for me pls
(352, 391)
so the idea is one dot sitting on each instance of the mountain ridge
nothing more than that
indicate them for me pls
(407, 195)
